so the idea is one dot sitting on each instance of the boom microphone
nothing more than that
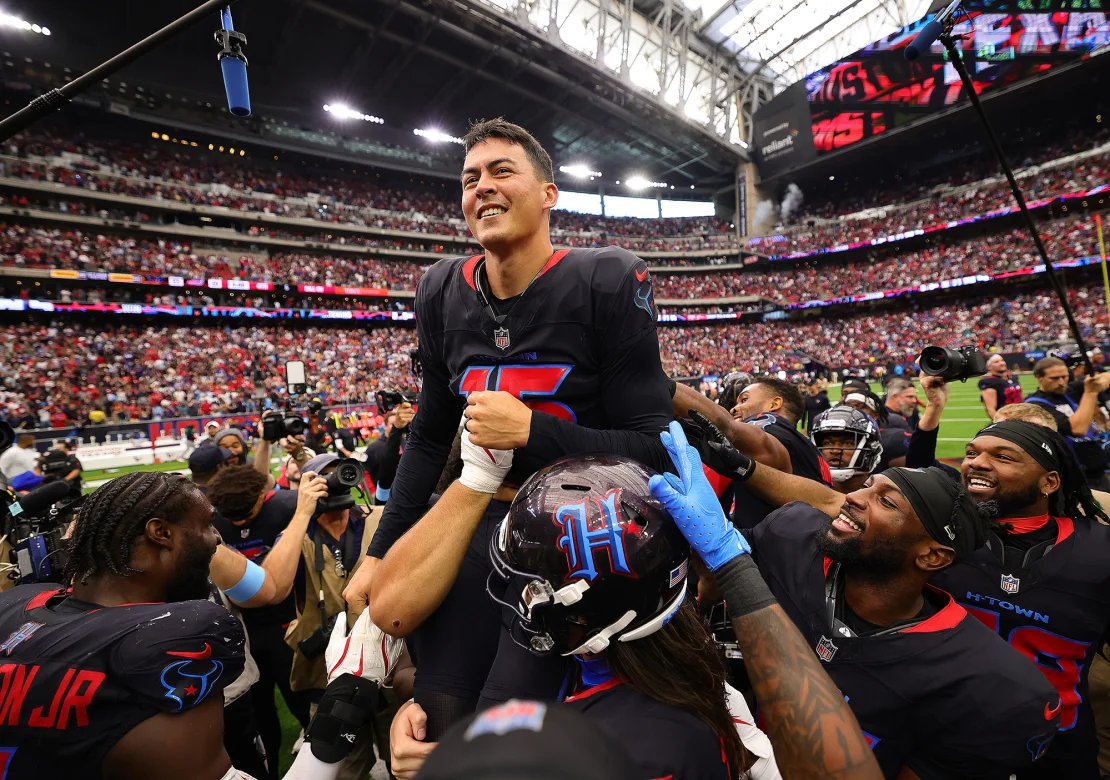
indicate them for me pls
(233, 63)
(930, 32)
(40, 499)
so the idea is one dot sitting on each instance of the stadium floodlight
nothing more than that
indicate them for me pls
(437, 136)
(580, 171)
(640, 183)
(8, 20)
(340, 111)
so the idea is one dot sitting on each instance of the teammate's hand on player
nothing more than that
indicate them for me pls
(404, 416)
(312, 489)
(936, 390)
(689, 499)
(484, 469)
(407, 748)
(497, 420)
(367, 651)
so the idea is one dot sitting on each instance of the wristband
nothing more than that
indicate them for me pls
(381, 494)
(248, 585)
(742, 587)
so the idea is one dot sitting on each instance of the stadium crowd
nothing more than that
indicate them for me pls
(129, 372)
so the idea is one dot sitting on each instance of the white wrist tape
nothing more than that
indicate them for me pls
(483, 470)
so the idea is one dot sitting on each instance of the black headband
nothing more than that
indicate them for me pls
(1043, 444)
(946, 512)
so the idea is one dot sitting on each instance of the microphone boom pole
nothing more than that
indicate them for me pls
(954, 56)
(56, 98)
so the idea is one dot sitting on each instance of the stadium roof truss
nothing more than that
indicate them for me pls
(787, 39)
(706, 63)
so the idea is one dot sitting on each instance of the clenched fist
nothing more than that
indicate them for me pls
(497, 420)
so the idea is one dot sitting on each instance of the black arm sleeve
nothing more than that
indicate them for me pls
(921, 452)
(634, 392)
(430, 432)
(387, 469)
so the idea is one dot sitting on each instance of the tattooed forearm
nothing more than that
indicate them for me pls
(813, 732)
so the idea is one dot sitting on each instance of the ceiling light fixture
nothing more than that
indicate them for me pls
(437, 136)
(8, 20)
(640, 183)
(580, 171)
(340, 111)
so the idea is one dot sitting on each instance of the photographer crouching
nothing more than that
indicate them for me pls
(333, 547)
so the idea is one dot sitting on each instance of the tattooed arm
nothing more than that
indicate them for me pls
(810, 726)
(813, 732)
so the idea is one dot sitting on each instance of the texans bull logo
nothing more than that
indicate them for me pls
(189, 682)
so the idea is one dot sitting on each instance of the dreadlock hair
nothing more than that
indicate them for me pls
(114, 516)
(1074, 498)
(680, 666)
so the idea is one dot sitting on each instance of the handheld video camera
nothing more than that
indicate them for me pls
(959, 364)
(388, 400)
(35, 525)
(277, 426)
(347, 474)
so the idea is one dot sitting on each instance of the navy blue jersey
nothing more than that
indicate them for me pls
(664, 741)
(942, 696)
(1054, 609)
(578, 346)
(805, 461)
(76, 677)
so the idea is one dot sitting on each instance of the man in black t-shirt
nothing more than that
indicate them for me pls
(1074, 420)
(999, 387)
(817, 401)
(250, 518)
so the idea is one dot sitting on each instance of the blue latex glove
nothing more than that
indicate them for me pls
(690, 500)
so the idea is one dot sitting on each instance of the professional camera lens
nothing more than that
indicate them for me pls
(939, 361)
(7, 436)
(294, 426)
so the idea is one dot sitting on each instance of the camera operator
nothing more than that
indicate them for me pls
(252, 513)
(332, 547)
(19, 458)
(384, 453)
(60, 464)
(1074, 420)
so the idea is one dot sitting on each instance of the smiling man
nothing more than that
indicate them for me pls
(937, 695)
(1041, 582)
(551, 353)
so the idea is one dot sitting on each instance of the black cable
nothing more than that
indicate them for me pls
(56, 98)
(954, 56)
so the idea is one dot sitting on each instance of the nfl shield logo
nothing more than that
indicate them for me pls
(1010, 584)
(501, 338)
(826, 649)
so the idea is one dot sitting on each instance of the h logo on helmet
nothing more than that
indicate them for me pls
(582, 535)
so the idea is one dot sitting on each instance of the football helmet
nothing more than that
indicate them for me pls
(585, 556)
(842, 420)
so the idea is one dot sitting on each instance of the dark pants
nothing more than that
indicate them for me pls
(462, 655)
(241, 738)
(275, 660)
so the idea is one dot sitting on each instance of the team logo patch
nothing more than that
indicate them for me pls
(19, 636)
(1039, 744)
(513, 715)
(1010, 584)
(189, 682)
(501, 338)
(585, 535)
(826, 649)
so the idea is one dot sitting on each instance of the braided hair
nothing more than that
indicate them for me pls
(1074, 496)
(114, 516)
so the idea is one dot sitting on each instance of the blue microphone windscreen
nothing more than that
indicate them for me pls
(235, 84)
(923, 40)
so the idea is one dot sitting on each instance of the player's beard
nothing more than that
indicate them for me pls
(191, 579)
(881, 562)
(1016, 503)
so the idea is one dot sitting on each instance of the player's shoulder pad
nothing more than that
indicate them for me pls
(179, 654)
(439, 274)
(608, 266)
